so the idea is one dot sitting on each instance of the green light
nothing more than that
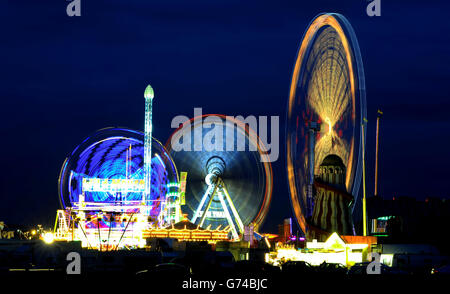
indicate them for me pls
(170, 185)
(384, 218)
(149, 94)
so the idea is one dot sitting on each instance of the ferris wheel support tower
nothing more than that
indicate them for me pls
(313, 128)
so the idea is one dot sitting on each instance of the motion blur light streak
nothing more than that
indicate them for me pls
(103, 183)
(327, 87)
(103, 156)
(247, 178)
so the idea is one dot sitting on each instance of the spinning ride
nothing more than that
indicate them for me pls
(229, 176)
(102, 189)
(326, 107)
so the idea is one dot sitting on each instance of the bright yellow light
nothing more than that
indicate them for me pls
(48, 238)
(328, 121)
(387, 259)
(33, 232)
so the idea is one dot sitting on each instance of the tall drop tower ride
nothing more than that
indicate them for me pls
(148, 95)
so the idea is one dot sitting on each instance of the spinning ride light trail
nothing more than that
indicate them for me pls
(96, 170)
(225, 188)
(118, 183)
(325, 109)
(93, 174)
(132, 183)
(111, 185)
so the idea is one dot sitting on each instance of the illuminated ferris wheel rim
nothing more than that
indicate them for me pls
(254, 138)
(357, 89)
(95, 138)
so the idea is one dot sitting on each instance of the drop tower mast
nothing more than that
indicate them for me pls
(148, 95)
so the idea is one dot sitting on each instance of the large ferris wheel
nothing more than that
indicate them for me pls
(326, 108)
(229, 185)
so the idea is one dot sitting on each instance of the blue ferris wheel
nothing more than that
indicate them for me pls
(106, 172)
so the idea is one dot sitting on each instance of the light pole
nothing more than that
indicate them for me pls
(379, 114)
(364, 179)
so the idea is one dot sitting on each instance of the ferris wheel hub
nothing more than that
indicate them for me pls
(215, 165)
(328, 121)
(211, 179)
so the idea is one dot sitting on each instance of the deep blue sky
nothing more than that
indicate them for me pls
(63, 78)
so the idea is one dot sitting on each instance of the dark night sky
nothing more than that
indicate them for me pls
(63, 78)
